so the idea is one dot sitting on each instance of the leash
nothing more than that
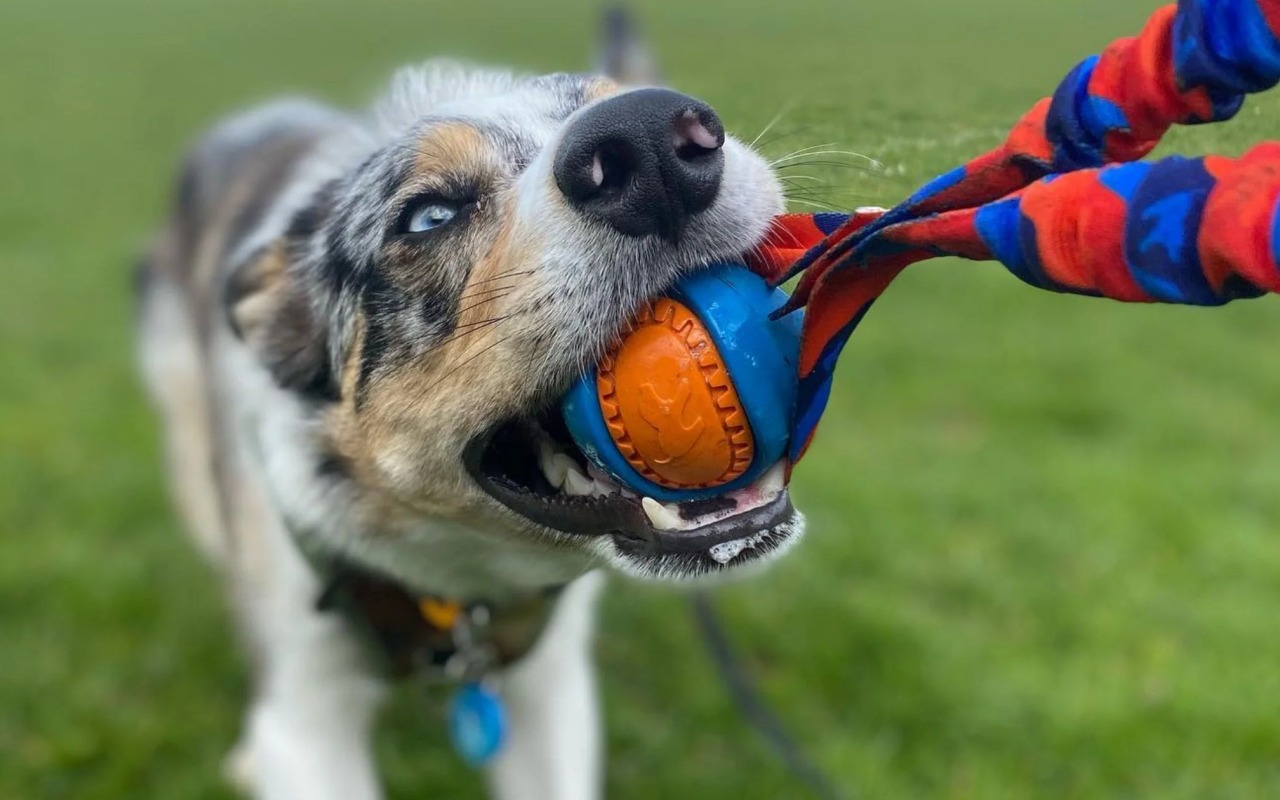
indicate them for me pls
(1063, 203)
(751, 704)
(446, 643)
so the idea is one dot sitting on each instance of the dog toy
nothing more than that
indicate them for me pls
(689, 404)
(1063, 204)
(1059, 205)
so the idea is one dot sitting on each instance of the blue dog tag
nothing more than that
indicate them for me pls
(477, 723)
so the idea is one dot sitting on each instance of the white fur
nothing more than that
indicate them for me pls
(307, 733)
(554, 749)
(173, 369)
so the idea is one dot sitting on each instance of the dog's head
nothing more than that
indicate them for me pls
(434, 302)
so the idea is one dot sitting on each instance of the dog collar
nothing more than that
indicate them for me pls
(443, 641)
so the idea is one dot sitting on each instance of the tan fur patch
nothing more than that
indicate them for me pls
(413, 423)
(254, 302)
(403, 437)
(600, 88)
(449, 148)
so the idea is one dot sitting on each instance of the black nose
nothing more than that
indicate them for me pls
(644, 162)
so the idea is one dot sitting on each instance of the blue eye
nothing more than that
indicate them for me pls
(429, 216)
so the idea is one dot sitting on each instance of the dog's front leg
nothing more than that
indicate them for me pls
(309, 728)
(553, 746)
(308, 732)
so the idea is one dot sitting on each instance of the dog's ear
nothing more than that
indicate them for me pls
(272, 313)
(624, 55)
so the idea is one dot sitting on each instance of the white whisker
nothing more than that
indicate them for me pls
(875, 164)
(800, 152)
(799, 177)
(776, 119)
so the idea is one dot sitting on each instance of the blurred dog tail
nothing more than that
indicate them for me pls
(623, 53)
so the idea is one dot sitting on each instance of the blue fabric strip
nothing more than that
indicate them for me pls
(1029, 245)
(814, 389)
(997, 226)
(1275, 236)
(1076, 143)
(1226, 47)
(829, 221)
(1162, 232)
(1124, 179)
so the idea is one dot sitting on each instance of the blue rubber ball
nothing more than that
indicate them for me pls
(760, 355)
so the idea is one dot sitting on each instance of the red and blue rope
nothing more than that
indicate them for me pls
(1063, 203)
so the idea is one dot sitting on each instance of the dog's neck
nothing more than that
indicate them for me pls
(443, 559)
(435, 636)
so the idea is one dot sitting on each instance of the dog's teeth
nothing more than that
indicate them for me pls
(660, 514)
(604, 484)
(577, 484)
(559, 467)
(775, 480)
(547, 462)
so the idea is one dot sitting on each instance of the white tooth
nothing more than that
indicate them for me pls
(559, 467)
(660, 514)
(546, 460)
(654, 510)
(604, 485)
(577, 484)
(775, 480)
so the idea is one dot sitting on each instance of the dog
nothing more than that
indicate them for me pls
(356, 328)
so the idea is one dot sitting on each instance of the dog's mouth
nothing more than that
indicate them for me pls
(532, 467)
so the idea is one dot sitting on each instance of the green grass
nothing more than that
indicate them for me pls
(1042, 561)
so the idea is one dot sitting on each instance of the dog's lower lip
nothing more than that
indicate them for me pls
(704, 539)
(623, 518)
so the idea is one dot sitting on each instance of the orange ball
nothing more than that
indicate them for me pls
(669, 404)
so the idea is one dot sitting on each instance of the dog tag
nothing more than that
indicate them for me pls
(477, 723)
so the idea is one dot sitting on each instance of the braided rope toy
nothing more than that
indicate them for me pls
(1064, 204)
(1060, 205)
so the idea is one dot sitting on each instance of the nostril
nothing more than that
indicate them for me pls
(612, 168)
(693, 139)
(592, 171)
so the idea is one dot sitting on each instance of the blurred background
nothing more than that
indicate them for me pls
(1043, 558)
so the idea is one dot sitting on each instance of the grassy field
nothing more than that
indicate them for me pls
(1043, 558)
